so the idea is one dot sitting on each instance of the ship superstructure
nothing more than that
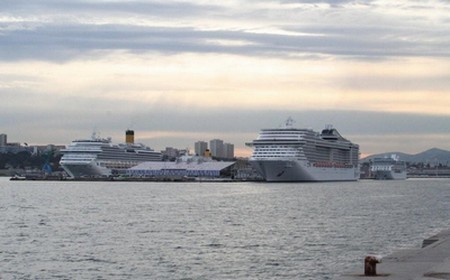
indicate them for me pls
(388, 168)
(97, 157)
(293, 154)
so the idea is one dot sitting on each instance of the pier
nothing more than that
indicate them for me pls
(430, 262)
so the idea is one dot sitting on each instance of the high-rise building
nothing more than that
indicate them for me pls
(216, 148)
(200, 148)
(228, 150)
(3, 140)
(170, 153)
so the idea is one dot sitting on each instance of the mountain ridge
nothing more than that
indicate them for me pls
(433, 155)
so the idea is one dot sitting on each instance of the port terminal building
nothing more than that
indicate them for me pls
(196, 167)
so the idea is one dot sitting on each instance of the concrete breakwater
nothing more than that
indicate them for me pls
(432, 261)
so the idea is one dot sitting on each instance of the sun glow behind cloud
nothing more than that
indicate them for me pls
(205, 81)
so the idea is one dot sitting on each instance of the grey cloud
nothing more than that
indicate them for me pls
(64, 42)
(55, 7)
(331, 2)
(397, 84)
(66, 36)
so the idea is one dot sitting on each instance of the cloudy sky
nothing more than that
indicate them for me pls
(181, 71)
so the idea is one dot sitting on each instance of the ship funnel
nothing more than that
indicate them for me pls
(129, 136)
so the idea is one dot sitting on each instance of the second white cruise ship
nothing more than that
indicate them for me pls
(98, 157)
(388, 168)
(290, 154)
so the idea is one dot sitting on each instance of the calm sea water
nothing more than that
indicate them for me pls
(119, 230)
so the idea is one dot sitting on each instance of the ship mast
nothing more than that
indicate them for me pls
(289, 123)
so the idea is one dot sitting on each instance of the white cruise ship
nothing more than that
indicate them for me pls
(99, 157)
(388, 168)
(290, 154)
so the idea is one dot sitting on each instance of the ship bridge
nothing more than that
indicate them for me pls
(330, 133)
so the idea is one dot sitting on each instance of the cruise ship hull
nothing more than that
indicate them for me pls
(390, 175)
(86, 169)
(302, 171)
(95, 168)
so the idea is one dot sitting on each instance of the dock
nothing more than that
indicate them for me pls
(431, 262)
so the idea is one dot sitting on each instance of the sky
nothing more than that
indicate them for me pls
(178, 72)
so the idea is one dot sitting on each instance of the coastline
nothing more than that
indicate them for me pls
(131, 179)
(431, 261)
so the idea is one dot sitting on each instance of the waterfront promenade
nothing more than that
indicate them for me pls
(432, 261)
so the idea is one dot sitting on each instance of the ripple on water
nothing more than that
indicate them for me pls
(98, 230)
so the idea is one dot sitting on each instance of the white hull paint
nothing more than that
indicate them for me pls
(301, 171)
(390, 175)
(86, 169)
(95, 168)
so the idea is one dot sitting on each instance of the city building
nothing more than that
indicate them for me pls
(171, 154)
(228, 150)
(200, 148)
(216, 148)
(14, 148)
(3, 140)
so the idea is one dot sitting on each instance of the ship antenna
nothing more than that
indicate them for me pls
(289, 122)
(95, 134)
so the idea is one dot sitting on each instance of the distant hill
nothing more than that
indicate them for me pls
(434, 155)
